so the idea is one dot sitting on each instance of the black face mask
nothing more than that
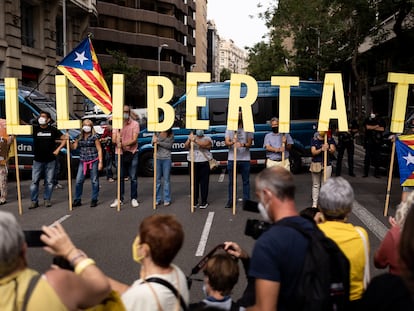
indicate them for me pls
(275, 129)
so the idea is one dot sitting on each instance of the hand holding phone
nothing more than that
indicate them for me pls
(32, 238)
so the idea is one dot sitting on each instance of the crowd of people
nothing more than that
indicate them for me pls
(273, 273)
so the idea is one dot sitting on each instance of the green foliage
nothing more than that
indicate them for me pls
(134, 78)
(225, 74)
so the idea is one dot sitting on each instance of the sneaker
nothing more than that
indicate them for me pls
(203, 205)
(77, 203)
(167, 203)
(115, 203)
(34, 205)
(94, 203)
(158, 203)
(58, 186)
(134, 203)
(111, 179)
(228, 205)
(48, 203)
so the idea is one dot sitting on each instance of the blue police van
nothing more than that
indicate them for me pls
(31, 103)
(305, 106)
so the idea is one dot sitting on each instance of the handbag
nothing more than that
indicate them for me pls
(212, 162)
(315, 167)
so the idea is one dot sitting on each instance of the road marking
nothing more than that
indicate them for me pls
(204, 235)
(372, 223)
(61, 219)
(221, 177)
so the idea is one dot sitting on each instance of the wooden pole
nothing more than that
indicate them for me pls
(192, 175)
(16, 164)
(118, 208)
(325, 157)
(69, 172)
(234, 172)
(283, 152)
(154, 196)
(387, 198)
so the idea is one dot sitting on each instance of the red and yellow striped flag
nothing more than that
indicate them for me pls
(81, 67)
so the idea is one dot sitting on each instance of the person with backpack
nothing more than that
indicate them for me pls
(298, 250)
(335, 202)
(22, 288)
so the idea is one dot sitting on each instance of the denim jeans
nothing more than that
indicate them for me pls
(243, 167)
(80, 178)
(108, 165)
(48, 170)
(163, 170)
(130, 170)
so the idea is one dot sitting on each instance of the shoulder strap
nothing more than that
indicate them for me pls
(32, 284)
(171, 288)
(366, 254)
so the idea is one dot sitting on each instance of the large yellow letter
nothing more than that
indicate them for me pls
(245, 103)
(117, 101)
(400, 99)
(333, 82)
(284, 84)
(62, 105)
(12, 109)
(154, 102)
(194, 101)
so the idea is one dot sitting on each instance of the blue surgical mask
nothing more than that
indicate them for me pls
(199, 132)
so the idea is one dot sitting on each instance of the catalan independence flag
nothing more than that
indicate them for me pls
(81, 67)
(404, 145)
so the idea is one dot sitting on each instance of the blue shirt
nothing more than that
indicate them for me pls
(275, 140)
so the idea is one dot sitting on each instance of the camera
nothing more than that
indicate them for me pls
(254, 227)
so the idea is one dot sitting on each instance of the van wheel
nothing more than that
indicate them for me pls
(295, 163)
(146, 164)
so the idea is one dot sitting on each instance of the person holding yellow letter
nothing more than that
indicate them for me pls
(276, 144)
(318, 148)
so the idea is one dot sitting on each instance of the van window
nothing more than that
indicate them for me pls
(26, 114)
(2, 108)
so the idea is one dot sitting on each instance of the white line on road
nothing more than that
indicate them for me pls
(61, 219)
(372, 223)
(204, 235)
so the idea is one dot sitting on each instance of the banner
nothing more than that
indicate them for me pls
(405, 154)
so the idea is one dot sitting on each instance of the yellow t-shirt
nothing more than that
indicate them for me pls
(13, 289)
(351, 244)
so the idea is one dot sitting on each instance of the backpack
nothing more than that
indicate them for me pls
(323, 283)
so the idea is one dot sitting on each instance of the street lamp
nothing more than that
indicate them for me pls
(159, 56)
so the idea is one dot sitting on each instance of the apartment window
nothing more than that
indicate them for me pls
(59, 36)
(27, 24)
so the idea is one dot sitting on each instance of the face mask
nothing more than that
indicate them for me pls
(126, 115)
(263, 209)
(199, 132)
(137, 258)
(275, 129)
(86, 128)
(42, 121)
(372, 116)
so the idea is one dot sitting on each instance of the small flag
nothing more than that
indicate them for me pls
(405, 154)
(81, 67)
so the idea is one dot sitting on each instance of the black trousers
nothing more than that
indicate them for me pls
(350, 148)
(201, 181)
(372, 151)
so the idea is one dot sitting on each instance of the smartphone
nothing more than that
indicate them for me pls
(250, 206)
(33, 238)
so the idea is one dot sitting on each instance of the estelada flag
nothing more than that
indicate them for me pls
(81, 67)
(404, 145)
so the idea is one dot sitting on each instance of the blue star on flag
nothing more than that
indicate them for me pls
(405, 155)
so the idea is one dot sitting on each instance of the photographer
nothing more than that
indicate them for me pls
(276, 269)
(22, 288)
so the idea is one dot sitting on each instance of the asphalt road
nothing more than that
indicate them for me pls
(106, 235)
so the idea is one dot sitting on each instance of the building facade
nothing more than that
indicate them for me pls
(213, 41)
(31, 38)
(232, 57)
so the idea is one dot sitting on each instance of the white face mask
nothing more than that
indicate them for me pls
(42, 121)
(126, 115)
(86, 128)
(263, 212)
(372, 115)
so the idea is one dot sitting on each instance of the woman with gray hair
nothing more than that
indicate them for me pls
(56, 289)
(336, 198)
(387, 253)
